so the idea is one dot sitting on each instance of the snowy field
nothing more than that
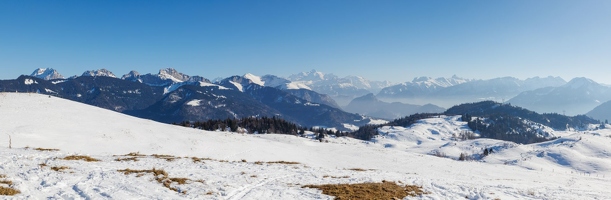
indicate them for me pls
(237, 166)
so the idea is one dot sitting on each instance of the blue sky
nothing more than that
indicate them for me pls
(380, 40)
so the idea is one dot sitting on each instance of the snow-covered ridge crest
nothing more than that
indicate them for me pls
(46, 74)
(99, 72)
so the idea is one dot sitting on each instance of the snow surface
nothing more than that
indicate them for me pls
(580, 169)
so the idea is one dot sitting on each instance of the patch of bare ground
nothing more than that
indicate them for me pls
(384, 190)
(59, 168)
(328, 176)
(166, 157)
(6, 187)
(357, 169)
(43, 149)
(161, 176)
(196, 159)
(127, 159)
(81, 157)
(278, 162)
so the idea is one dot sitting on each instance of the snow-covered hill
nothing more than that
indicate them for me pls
(231, 172)
(574, 152)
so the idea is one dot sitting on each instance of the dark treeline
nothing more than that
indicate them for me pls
(491, 108)
(260, 125)
(507, 128)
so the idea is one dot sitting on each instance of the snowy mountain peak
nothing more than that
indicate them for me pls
(254, 79)
(582, 82)
(309, 76)
(99, 72)
(131, 75)
(46, 74)
(171, 73)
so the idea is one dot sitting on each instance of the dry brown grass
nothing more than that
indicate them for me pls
(358, 169)
(166, 157)
(60, 168)
(7, 191)
(136, 154)
(7, 182)
(196, 159)
(42, 165)
(277, 162)
(80, 157)
(43, 149)
(327, 176)
(161, 176)
(385, 190)
(127, 159)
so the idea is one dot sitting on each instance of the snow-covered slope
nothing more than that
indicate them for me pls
(35, 121)
(574, 152)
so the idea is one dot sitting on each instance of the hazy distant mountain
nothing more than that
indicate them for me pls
(455, 90)
(421, 86)
(369, 105)
(46, 74)
(601, 112)
(578, 96)
(343, 90)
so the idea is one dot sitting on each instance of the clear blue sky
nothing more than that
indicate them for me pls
(380, 40)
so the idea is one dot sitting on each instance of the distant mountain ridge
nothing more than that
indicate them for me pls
(578, 96)
(170, 96)
(456, 90)
(371, 106)
(343, 90)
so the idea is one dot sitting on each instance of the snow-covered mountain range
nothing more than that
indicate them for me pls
(455, 90)
(343, 90)
(542, 94)
(41, 131)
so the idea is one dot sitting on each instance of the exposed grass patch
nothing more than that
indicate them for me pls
(277, 162)
(7, 191)
(135, 154)
(385, 190)
(196, 159)
(59, 168)
(161, 176)
(127, 159)
(7, 182)
(166, 157)
(43, 149)
(80, 157)
(357, 169)
(327, 176)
